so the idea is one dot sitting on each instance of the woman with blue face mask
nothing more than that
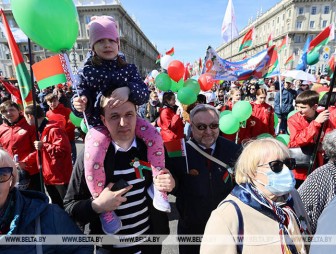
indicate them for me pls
(263, 213)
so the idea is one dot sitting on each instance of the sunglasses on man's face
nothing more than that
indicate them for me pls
(202, 126)
(277, 165)
(5, 174)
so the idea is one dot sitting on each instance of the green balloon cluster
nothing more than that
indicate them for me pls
(163, 82)
(228, 123)
(284, 138)
(242, 110)
(75, 119)
(264, 135)
(50, 23)
(276, 120)
(175, 86)
(225, 112)
(193, 84)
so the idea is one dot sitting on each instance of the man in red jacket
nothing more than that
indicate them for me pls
(305, 125)
(56, 154)
(17, 137)
(58, 112)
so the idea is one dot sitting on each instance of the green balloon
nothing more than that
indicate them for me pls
(75, 119)
(163, 81)
(264, 135)
(175, 86)
(284, 138)
(186, 95)
(83, 126)
(291, 113)
(194, 84)
(313, 57)
(276, 120)
(50, 23)
(225, 112)
(242, 110)
(228, 124)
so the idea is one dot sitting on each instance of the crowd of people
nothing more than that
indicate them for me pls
(228, 187)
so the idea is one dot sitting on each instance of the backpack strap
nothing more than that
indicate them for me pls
(239, 244)
(39, 249)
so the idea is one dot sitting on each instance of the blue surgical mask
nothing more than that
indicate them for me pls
(279, 183)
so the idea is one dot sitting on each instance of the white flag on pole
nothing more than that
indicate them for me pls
(229, 26)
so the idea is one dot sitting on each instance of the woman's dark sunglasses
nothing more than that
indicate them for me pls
(277, 165)
(5, 174)
(202, 126)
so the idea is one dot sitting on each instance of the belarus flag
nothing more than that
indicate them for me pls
(175, 148)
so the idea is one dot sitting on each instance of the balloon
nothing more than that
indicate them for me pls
(321, 94)
(175, 86)
(225, 112)
(51, 24)
(75, 119)
(154, 73)
(291, 113)
(264, 135)
(276, 120)
(193, 84)
(242, 110)
(165, 61)
(205, 81)
(163, 82)
(176, 70)
(229, 124)
(284, 138)
(313, 57)
(83, 126)
(186, 95)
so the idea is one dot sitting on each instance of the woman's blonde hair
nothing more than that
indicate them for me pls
(7, 161)
(255, 152)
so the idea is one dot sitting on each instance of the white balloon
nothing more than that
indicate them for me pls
(165, 61)
(154, 73)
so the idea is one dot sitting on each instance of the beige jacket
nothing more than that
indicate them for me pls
(223, 225)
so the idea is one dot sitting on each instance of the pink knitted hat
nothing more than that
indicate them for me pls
(102, 27)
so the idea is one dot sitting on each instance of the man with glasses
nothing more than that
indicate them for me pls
(203, 183)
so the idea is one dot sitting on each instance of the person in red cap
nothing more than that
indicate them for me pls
(106, 70)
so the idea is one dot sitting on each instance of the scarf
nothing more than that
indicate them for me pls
(282, 212)
(7, 213)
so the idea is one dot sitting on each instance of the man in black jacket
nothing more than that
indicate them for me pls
(131, 204)
(203, 184)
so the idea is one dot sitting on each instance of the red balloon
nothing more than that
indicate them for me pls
(176, 70)
(206, 82)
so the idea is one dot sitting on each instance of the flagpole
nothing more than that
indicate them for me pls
(39, 155)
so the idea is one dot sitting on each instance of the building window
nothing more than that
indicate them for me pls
(79, 46)
(300, 10)
(326, 10)
(311, 24)
(81, 57)
(299, 25)
(87, 19)
(296, 51)
(324, 23)
(297, 38)
(313, 10)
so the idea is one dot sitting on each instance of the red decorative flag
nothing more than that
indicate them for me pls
(51, 71)
(270, 41)
(21, 71)
(283, 43)
(158, 59)
(175, 148)
(289, 60)
(247, 40)
(200, 64)
(331, 65)
(14, 91)
(170, 52)
(321, 39)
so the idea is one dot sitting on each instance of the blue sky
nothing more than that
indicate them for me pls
(189, 26)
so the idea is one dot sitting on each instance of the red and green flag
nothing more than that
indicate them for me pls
(175, 148)
(283, 43)
(247, 40)
(21, 71)
(170, 52)
(51, 71)
(289, 60)
(270, 40)
(319, 41)
(331, 66)
(139, 166)
(158, 59)
(14, 91)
